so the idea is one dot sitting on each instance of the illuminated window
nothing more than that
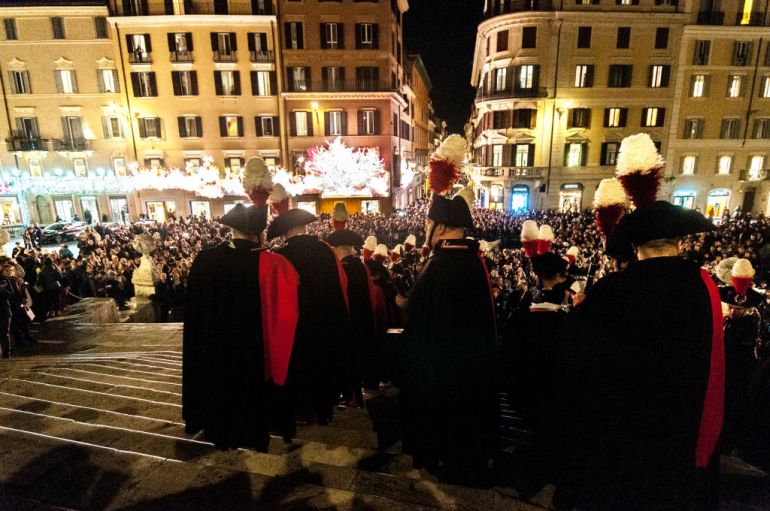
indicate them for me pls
(501, 75)
(688, 165)
(764, 90)
(228, 83)
(80, 167)
(234, 164)
(113, 127)
(65, 81)
(756, 163)
(610, 153)
(659, 75)
(574, 155)
(730, 128)
(693, 128)
(301, 123)
(368, 122)
(526, 77)
(734, 83)
(231, 126)
(262, 83)
(698, 86)
(523, 158)
(762, 128)
(108, 80)
(615, 117)
(725, 164)
(497, 156)
(334, 122)
(119, 166)
(584, 75)
(653, 117)
(745, 14)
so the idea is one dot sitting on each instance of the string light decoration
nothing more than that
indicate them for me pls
(342, 171)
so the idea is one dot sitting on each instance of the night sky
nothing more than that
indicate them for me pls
(444, 33)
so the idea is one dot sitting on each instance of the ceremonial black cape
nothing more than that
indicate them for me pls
(362, 319)
(323, 332)
(633, 379)
(450, 342)
(225, 391)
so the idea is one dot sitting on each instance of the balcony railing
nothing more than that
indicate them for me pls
(237, 7)
(753, 175)
(24, 143)
(71, 144)
(514, 172)
(510, 92)
(711, 18)
(226, 56)
(262, 56)
(342, 86)
(499, 8)
(756, 19)
(182, 56)
(140, 57)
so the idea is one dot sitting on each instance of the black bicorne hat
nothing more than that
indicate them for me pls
(293, 218)
(344, 237)
(247, 219)
(729, 296)
(452, 212)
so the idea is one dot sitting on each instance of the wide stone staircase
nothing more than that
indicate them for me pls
(90, 419)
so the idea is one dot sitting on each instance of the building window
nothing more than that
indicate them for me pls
(526, 77)
(762, 128)
(661, 38)
(698, 86)
(367, 36)
(332, 37)
(100, 28)
(180, 46)
(294, 36)
(368, 122)
(575, 155)
(368, 78)
(734, 83)
(302, 124)
(623, 40)
(724, 164)
(119, 167)
(584, 75)
(139, 47)
(502, 41)
(579, 118)
(610, 153)
(185, 83)
(584, 37)
(333, 78)
(756, 163)
(497, 155)
(149, 127)
(693, 128)
(764, 89)
(702, 53)
(234, 164)
(334, 122)
(231, 126)
(688, 165)
(108, 80)
(19, 82)
(653, 117)
(65, 81)
(80, 167)
(9, 24)
(263, 83)
(730, 128)
(298, 79)
(113, 126)
(225, 46)
(144, 84)
(190, 126)
(267, 126)
(524, 155)
(659, 75)
(741, 53)
(501, 79)
(524, 118)
(620, 75)
(529, 37)
(615, 117)
(57, 27)
(227, 83)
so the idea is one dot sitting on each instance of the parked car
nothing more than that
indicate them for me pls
(63, 231)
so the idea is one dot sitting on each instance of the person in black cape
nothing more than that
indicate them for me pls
(447, 391)
(641, 377)
(361, 313)
(323, 331)
(240, 315)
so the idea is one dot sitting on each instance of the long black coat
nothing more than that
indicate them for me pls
(224, 390)
(362, 319)
(450, 342)
(634, 373)
(316, 373)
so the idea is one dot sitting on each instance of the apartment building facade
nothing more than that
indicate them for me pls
(559, 86)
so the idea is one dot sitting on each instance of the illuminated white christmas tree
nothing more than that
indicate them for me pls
(342, 171)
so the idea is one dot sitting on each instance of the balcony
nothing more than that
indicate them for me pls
(71, 145)
(262, 56)
(500, 7)
(140, 57)
(755, 19)
(182, 56)
(711, 18)
(342, 86)
(20, 143)
(226, 56)
(753, 175)
(510, 92)
(514, 172)
(236, 7)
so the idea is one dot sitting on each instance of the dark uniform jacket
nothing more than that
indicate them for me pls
(636, 364)
(362, 319)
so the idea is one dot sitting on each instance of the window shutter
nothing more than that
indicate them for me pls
(293, 124)
(666, 76)
(171, 38)
(153, 85)
(344, 123)
(566, 154)
(194, 82)
(300, 37)
(643, 122)
(706, 82)
(531, 155)
(240, 126)
(57, 78)
(99, 80)
(341, 35)
(590, 76)
(142, 129)
(199, 126)
(254, 76)
(375, 36)
(359, 28)
(222, 127)
(532, 119)
(308, 79)
(623, 117)
(273, 84)
(583, 154)
(189, 40)
(327, 118)
(233, 41)
(361, 126)
(661, 117)
(218, 82)
(507, 150)
(135, 85)
(604, 153)
(147, 42)
(324, 42)
(214, 42)
(536, 76)
(606, 117)
(287, 34)
(237, 81)
(182, 126)
(258, 125)
(250, 38)
(276, 126)
(114, 79)
(309, 123)
(105, 127)
(376, 122)
(175, 81)
(290, 79)
(129, 43)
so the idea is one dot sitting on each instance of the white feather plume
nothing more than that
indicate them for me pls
(278, 193)
(398, 249)
(381, 250)
(724, 270)
(451, 149)
(488, 246)
(256, 175)
(573, 251)
(411, 240)
(546, 233)
(743, 269)
(529, 231)
(370, 243)
(609, 193)
(638, 154)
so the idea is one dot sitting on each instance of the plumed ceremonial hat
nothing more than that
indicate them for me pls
(452, 212)
(344, 237)
(730, 296)
(247, 219)
(548, 264)
(284, 222)
(659, 221)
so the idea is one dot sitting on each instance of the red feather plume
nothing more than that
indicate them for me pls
(642, 188)
(442, 176)
(607, 218)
